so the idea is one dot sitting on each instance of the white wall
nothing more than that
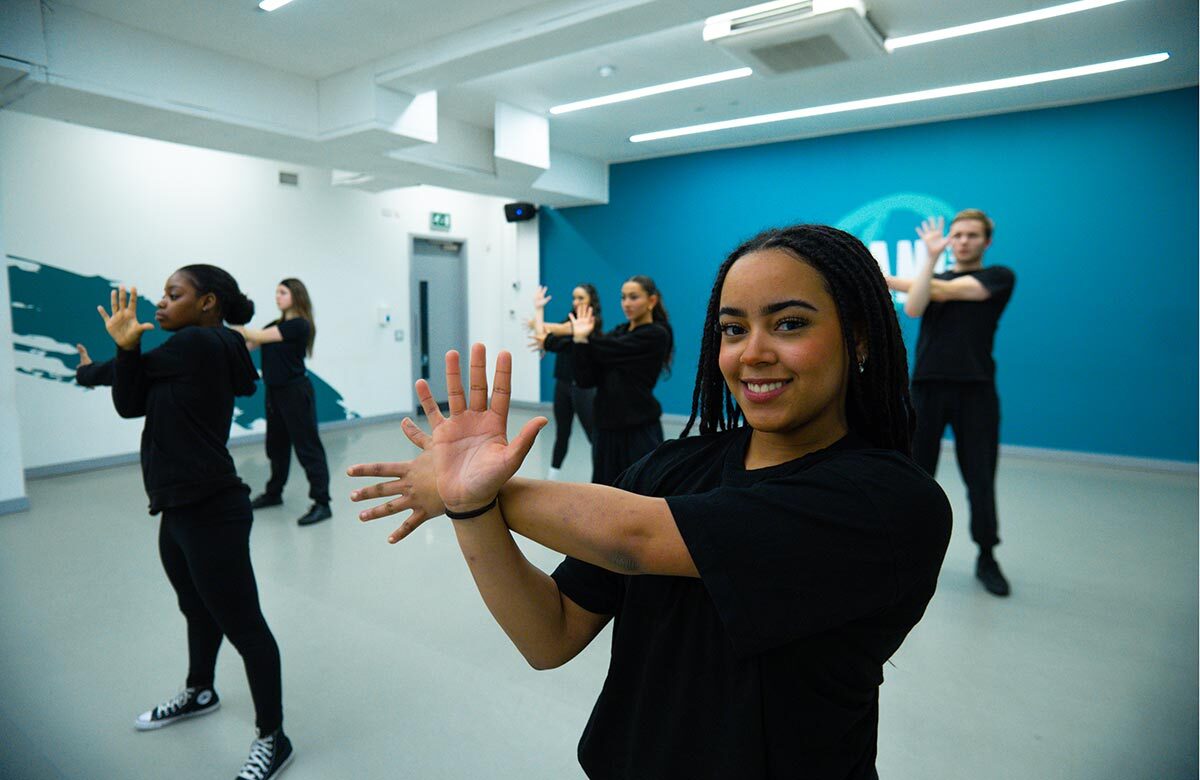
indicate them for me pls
(12, 475)
(134, 210)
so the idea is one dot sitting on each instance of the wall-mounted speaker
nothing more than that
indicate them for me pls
(519, 212)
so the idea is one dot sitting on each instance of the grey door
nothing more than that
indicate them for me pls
(438, 306)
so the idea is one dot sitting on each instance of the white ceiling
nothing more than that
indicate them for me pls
(534, 55)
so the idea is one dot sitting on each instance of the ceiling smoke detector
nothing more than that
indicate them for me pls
(784, 37)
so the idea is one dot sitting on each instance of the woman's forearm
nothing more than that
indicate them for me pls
(616, 530)
(524, 600)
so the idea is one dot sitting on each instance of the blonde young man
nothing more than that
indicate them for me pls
(954, 376)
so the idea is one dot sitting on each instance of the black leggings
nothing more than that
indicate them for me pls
(205, 550)
(569, 401)
(292, 422)
(973, 411)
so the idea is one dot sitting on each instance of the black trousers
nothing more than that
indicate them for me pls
(570, 401)
(205, 550)
(292, 422)
(615, 450)
(972, 410)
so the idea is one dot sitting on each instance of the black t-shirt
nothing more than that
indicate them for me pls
(185, 389)
(955, 343)
(562, 347)
(812, 572)
(283, 361)
(623, 365)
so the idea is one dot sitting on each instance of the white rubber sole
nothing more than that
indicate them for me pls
(151, 725)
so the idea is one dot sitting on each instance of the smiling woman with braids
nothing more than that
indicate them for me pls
(794, 543)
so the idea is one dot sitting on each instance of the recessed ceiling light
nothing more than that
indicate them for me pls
(271, 5)
(906, 97)
(891, 44)
(604, 71)
(634, 94)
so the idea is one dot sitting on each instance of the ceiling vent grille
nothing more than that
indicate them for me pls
(782, 38)
(289, 179)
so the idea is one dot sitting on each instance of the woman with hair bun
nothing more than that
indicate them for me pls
(185, 390)
(290, 400)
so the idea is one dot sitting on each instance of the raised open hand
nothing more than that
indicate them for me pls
(582, 323)
(414, 486)
(472, 456)
(123, 324)
(84, 358)
(932, 232)
(540, 298)
(537, 342)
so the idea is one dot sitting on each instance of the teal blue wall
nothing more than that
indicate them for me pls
(1095, 209)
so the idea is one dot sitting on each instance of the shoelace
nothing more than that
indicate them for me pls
(170, 706)
(258, 764)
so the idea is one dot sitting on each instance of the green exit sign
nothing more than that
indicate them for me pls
(439, 221)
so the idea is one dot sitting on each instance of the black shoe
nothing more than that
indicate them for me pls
(988, 572)
(265, 500)
(268, 757)
(315, 514)
(189, 703)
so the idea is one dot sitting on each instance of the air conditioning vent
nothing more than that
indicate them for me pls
(781, 38)
(798, 55)
(289, 179)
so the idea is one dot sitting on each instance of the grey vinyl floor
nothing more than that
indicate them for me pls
(393, 668)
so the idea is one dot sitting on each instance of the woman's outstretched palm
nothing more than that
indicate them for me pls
(123, 323)
(471, 452)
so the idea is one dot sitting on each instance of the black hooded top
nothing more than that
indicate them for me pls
(185, 389)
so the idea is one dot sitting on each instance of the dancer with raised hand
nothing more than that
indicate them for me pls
(185, 389)
(570, 400)
(954, 376)
(793, 544)
(624, 365)
(291, 404)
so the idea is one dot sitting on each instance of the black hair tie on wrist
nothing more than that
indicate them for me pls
(472, 513)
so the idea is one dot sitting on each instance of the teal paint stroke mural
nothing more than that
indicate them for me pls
(53, 309)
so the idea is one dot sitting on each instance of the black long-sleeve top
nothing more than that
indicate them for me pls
(94, 374)
(623, 365)
(185, 389)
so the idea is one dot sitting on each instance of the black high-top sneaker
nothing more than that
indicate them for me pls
(188, 703)
(268, 757)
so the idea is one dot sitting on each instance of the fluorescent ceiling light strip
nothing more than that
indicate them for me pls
(891, 44)
(271, 5)
(906, 97)
(642, 92)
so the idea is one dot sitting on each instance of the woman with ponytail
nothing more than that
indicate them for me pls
(290, 400)
(790, 547)
(623, 365)
(185, 390)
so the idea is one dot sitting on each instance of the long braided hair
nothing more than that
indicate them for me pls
(878, 405)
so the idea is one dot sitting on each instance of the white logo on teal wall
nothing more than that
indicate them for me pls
(888, 227)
